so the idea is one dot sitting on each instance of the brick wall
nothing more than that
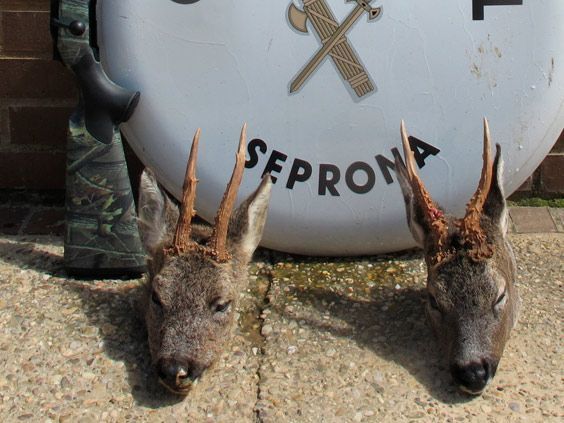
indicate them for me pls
(37, 94)
(36, 97)
(548, 180)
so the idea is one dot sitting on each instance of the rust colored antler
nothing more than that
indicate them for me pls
(182, 241)
(218, 240)
(433, 216)
(470, 227)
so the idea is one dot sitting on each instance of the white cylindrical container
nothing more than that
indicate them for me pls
(324, 106)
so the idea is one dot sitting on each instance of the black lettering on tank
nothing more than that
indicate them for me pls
(272, 164)
(422, 150)
(326, 182)
(478, 6)
(301, 172)
(370, 177)
(387, 166)
(252, 150)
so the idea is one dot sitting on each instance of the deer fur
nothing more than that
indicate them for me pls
(192, 295)
(472, 300)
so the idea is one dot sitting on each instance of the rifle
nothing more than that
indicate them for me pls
(101, 235)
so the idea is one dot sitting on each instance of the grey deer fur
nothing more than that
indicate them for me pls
(472, 300)
(191, 296)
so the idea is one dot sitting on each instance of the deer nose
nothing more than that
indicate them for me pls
(178, 375)
(473, 377)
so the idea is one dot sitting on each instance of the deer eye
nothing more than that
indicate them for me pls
(433, 303)
(501, 299)
(221, 307)
(155, 299)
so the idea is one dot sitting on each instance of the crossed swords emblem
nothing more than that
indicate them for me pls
(334, 40)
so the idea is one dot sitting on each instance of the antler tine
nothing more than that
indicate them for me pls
(436, 222)
(218, 241)
(470, 224)
(479, 197)
(182, 240)
(408, 154)
(423, 197)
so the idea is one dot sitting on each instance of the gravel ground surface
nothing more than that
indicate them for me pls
(317, 340)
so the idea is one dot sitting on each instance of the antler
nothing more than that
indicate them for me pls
(433, 216)
(470, 228)
(218, 240)
(182, 240)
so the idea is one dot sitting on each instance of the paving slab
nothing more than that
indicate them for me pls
(558, 217)
(76, 351)
(317, 341)
(347, 341)
(532, 220)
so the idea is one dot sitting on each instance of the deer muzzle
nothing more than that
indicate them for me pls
(178, 377)
(473, 377)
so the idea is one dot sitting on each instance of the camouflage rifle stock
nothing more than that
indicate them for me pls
(101, 236)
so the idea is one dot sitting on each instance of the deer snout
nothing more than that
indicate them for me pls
(472, 377)
(178, 376)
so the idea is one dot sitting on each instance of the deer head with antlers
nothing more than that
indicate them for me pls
(195, 273)
(472, 301)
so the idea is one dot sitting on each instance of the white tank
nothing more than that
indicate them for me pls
(323, 88)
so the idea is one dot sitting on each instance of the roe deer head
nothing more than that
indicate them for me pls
(472, 301)
(195, 273)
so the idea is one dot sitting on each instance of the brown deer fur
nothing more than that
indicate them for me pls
(472, 301)
(192, 293)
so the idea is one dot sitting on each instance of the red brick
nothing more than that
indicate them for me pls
(552, 174)
(25, 34)
(11, 219)
(32, 170)
(35, 79)
(39, 125)
(4, 126)
(46, 222)
(527, 186)
(559, 146)
(39, 5)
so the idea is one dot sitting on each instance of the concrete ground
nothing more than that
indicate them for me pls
(317, 341)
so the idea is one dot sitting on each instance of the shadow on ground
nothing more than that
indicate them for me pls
(112, 307)
(114, 310)
(25, 255)
(388, 321)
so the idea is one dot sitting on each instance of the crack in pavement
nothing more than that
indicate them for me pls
(262, 306)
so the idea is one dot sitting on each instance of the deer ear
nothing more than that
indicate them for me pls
(247, 222)
(495, 207)
(414, 216)
(157, 213)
